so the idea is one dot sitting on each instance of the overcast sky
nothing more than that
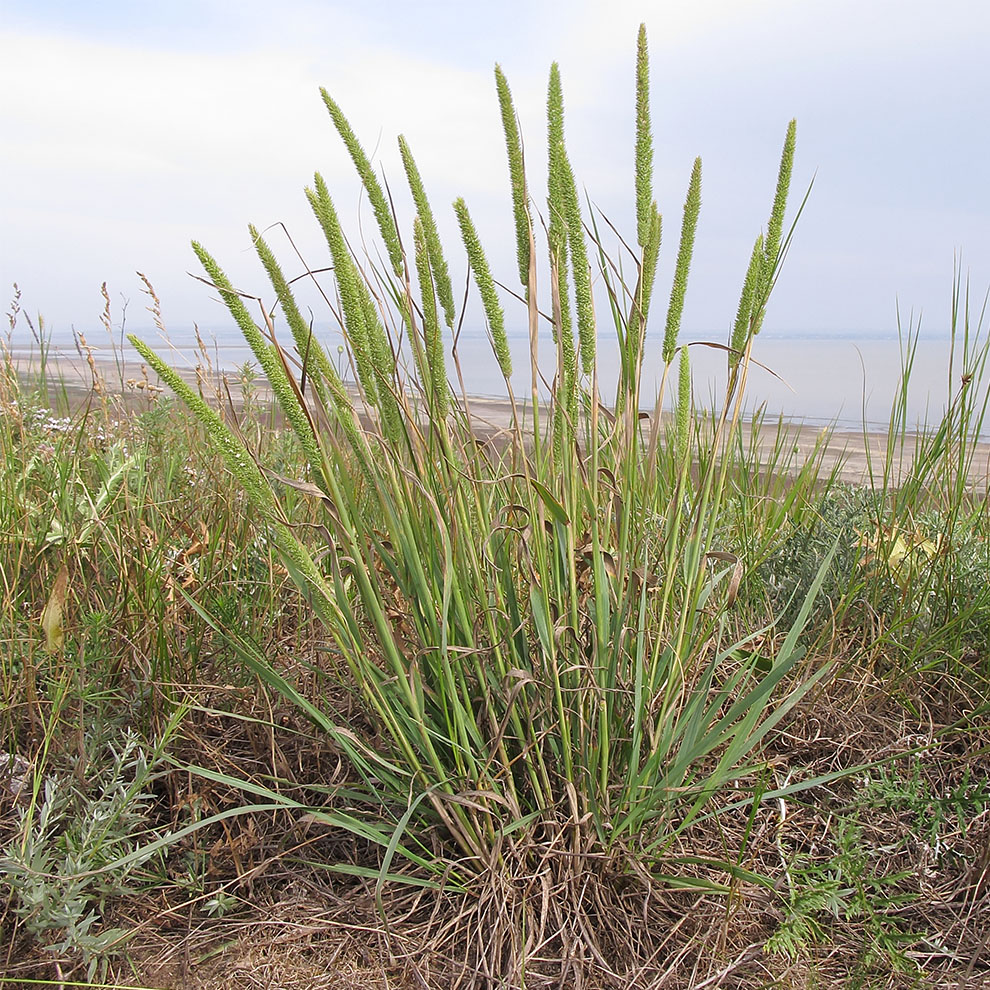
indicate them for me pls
(131, 128)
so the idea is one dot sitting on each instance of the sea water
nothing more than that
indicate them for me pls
(848, 379)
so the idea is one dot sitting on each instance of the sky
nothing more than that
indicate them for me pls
(132, 128)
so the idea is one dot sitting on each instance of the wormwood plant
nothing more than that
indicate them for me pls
(77, 848)
(541, 627)
(847, 888)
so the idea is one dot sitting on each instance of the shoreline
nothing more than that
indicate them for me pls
(849, 452)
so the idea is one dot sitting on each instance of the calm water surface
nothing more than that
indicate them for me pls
(848, 379)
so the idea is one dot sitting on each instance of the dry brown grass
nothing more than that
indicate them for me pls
(296, 925)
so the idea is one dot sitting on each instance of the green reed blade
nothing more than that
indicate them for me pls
(645, 206)
(383, 214)
(742, 329)
(435, 373)
(517, 174)
(689, 225)
(486, 287)
(775, 225)
(438, 264)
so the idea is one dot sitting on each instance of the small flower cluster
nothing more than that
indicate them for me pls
(47, 422)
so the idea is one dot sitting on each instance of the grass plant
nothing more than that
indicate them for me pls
(543, 634)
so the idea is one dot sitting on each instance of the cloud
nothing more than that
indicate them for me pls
(115, 157)
(129, 132)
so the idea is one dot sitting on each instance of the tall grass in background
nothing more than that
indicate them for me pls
(908, 589)
(923, 515)
(929, 500)
(112, 510)
(540, 625)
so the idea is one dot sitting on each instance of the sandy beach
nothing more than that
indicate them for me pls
(857, 456)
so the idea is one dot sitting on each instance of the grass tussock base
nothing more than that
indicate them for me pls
(881, 877)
